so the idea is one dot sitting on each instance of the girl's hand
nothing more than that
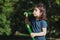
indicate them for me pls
(32, 35)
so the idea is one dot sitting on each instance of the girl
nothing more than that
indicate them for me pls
(39, 24)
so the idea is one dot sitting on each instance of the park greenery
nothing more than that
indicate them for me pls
(12, 16)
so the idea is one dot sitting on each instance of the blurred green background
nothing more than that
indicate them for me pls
(12, 18)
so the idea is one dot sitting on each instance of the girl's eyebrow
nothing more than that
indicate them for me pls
(34, 9)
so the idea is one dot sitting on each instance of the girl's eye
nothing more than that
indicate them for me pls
(35, 10)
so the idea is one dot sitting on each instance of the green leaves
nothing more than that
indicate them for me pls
(7, 29)
(58, 1)
(1, 1)
(4, 25)
(1, 31)
(7, 8)
(11, 12)
(55, 17)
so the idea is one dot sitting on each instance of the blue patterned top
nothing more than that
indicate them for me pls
(37, 26)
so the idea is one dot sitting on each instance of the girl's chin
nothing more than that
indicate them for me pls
(35, 15)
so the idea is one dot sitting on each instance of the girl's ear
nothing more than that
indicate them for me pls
(41, 13)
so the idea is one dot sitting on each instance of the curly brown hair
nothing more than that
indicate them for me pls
(42, 8)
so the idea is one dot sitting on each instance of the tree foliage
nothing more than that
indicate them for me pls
(12, 17)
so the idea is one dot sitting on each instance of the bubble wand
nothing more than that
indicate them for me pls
(27, 25)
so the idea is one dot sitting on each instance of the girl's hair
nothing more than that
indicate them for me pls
(42, 9)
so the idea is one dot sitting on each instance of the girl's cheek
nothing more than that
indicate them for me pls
(40, 14)
(34, 14)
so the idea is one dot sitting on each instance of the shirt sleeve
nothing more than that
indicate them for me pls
(44, 24)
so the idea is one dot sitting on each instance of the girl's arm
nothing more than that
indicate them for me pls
(43, 33)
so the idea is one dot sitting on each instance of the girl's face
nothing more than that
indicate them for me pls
(37, 12)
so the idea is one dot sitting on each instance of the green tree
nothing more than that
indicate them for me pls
(11, 15)
(7, 9)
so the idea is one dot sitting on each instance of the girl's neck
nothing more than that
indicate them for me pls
(37, 18)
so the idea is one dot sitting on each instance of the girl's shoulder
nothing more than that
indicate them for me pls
(43, 21)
